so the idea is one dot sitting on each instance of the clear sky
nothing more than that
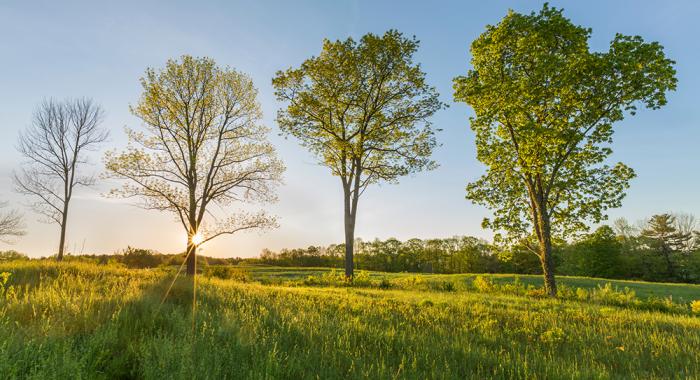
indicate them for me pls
(100, 49)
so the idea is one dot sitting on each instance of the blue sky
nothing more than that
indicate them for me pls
(100, 49)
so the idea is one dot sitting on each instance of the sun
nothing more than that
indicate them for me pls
(197, 238)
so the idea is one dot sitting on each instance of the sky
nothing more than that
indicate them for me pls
(96, 49)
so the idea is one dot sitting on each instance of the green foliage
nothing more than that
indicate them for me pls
(595, 255)
(226, 273)
(12, 255)
(140, 258)
(450, 255)
(483, 284)
(662, 236)
(358, 106)
(336, 278)
(4, 286)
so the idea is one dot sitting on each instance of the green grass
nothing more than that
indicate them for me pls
(83, 321)
(681, 292)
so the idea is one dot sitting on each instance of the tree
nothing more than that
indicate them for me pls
(362, 108)
(623, 229)
(665, 238)
(11, 224)
(596, 255)
(544, 109)
(687, 224)
(202, 145)
(55, 147)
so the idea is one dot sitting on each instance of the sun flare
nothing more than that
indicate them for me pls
(197, 238)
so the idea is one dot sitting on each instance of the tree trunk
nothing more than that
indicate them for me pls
(349, 239)
(191, 253)
(544, 235)
(62, 240)
(550, 285)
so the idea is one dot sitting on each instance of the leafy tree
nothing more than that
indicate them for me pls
(55, 147)
(202, 145)
(596, 255)
(545, 106)
(362, 108)
(666, 239)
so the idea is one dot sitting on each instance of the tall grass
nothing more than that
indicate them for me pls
(83, 321)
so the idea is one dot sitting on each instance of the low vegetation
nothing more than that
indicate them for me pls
(83, 320)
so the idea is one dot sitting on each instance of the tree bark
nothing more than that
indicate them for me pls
(544, 237)
(550, 285)
(62, 240)
(191, 253)
(349, 223)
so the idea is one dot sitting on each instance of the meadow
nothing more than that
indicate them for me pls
(84, 321)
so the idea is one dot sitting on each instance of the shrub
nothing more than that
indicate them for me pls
(337, 278)
(582, 294)
(226, 273)
(384, 283)
(483, 284)
(609, 295)
(140, 258)
(12, 256)
(7, 291)
(553, 335)
(663, 304)
(515, 287)
(408, 282)
(443, 286)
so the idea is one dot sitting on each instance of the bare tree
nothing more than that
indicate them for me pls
(623, 228)
(202, 145)
(11, 224)
(55, 147)
(686, 224)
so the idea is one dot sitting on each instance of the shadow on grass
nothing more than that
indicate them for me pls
(100, 339)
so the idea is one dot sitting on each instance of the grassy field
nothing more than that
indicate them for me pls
(83, 321)
(679, 292)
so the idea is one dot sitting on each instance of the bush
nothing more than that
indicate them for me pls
(483, 284)
(442, 286)
(12, 256)
(664, 304)
(384, 283)
(609, 295)
(227, 273)
(140, 258)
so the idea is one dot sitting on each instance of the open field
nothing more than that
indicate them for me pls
(77, 320)
(679, 292)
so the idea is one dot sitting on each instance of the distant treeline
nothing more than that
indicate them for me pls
(136, 258)
(666, 248)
